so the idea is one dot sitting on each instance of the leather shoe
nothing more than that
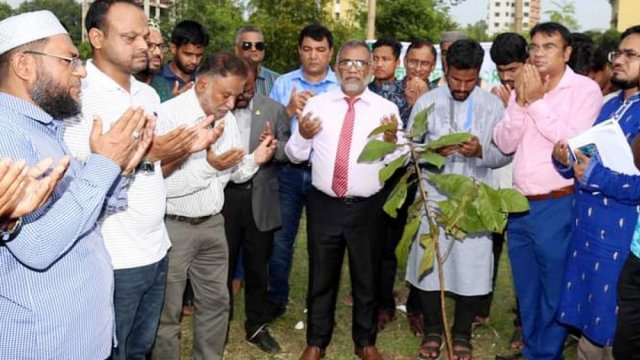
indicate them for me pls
(264, 341)
(312, 353)
(368, 353)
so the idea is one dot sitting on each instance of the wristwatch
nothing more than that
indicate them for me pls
(9, 229)
(146, 165)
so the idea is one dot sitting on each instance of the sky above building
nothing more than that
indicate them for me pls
(591, 14)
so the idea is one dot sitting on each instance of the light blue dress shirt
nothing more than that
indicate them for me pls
(56, 279)
(281, 91)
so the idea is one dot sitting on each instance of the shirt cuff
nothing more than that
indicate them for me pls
(101, 171)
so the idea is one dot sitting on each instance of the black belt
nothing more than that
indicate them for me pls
(351, 199)
(303, 166)
(244, 186)
(189, 220)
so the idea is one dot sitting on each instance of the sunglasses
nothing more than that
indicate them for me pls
(247, 45)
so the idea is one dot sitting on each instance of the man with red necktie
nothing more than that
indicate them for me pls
(344, 209)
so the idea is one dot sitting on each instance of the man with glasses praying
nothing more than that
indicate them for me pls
(551, 103)
(157, 50)
(335, 126)
(250, 45)
(56, 279)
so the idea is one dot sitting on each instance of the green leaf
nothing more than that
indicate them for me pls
(428, 243)
(376, 150)
(387, 171)
(513, 201)
(492, 216)
(396, 197)
(448, 140)
(409, 233)
(453, 185)
(419, 127)
(433, 158)
(469, 223)
(382, 128)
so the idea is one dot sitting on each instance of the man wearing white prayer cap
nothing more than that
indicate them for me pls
(56, 279)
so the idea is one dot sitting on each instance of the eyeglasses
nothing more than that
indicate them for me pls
(415, 63)
(628, 55)
(545, 48)
(153, 46)
(258, 45)
(74, 62)
(346, 64)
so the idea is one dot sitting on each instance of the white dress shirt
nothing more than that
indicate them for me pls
(331, 108)
(135, 236)
(196, 188)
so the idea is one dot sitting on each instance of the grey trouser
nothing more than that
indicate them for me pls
(590, 351)
(201, 252)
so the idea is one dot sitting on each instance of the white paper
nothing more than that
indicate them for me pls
(611, 145)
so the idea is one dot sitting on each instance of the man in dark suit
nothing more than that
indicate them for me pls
(252, 208)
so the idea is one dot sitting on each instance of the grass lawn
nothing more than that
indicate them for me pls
(395, 342)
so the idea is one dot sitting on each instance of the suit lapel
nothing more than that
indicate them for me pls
(257, 122)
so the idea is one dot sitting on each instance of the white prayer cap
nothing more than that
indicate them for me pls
(27, 27)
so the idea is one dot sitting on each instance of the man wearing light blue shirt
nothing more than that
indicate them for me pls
(293, 89)
(56, 279)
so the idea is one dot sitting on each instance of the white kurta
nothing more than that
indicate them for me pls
(468, 264)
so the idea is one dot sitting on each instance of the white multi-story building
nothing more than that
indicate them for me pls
(502, 15)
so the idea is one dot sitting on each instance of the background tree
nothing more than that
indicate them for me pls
(5, 10)
(407, 20)
(477, 31)
(220, 17)
(282, 20)
(607, 41)
(68, 11)
(564, 13)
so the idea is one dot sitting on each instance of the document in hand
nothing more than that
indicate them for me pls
(606, 141)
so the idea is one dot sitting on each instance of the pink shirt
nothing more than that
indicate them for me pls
(531, 131)
(331, 108)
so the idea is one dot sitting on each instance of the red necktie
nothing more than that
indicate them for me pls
(341, 167)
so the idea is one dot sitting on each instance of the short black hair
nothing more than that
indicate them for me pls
(508, 48)
(419, 44)
(550, 28)
(578, 38)
(316, 32)
(189, 32)
(465, 54)
(586, 58)
(223, 64)
(97, 14)
(630, 31)
(395, 46)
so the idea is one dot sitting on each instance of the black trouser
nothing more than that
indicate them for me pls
(334, 225)
(393, 233)
(241, 231)
(626, 345)
(465, 312)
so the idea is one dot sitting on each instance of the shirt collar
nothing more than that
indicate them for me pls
(367, 96)
(567, 78)
(25, 108)
(330, 77)
(167, 73)
(193, 104)
(96, 76)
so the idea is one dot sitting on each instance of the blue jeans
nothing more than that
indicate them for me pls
(538, 241)
(295, 184)
(138, 297)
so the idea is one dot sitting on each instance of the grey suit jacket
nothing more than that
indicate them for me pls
(265, 197)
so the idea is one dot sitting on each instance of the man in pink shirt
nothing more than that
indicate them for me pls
(550, 103)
